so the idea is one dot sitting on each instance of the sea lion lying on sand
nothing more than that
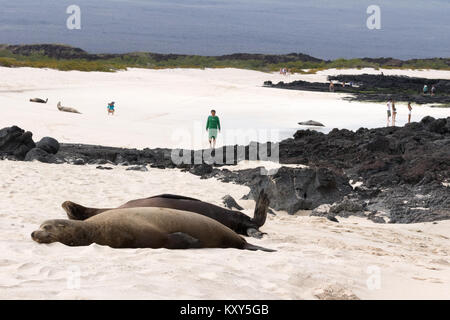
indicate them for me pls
(143, 228)
(235, 220)
(38, 100)
(66, 109)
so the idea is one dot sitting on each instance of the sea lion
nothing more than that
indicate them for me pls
(66, 109)
(38, 100)
(235, 220)
(143, 228)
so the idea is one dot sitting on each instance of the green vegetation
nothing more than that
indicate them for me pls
(67, 58)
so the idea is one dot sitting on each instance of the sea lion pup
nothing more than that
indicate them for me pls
(235, 220)
(66, 109)
(143, 228)
(38, 100)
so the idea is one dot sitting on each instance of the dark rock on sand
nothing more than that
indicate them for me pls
(292, 189)
(378, 88)
(41, 156)
(230, 203)
(49, 145)
(138, 168)
(103, 168)
(15, 142)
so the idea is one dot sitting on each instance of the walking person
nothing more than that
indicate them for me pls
(213, 128)
(389, 105)
(425, 89)
(433, 91)
(331, 86)
(394, 113)
(409, 112)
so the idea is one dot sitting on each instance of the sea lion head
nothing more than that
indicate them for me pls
(68, 232)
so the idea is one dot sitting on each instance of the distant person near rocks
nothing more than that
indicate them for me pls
(433, 91)
(409, 112)
(394, 113)
(331, 86)
(425, 89)
(213, 128)
(110, 108)
(389, 106)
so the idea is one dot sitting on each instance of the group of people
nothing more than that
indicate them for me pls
(432, 91)
(392, 112)
(285, 71)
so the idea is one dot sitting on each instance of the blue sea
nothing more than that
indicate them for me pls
(322, 28)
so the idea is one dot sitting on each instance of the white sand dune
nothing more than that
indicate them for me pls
(168, 108)
(316, 258)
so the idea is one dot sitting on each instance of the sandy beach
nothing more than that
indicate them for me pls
(315, 259)
(168, 108)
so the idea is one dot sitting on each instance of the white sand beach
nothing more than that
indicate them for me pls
(168, 108)
(315, 258)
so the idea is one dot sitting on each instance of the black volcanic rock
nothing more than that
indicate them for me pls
(49, 145)
(377, 88)
(15, 142)
(292, 189)
(41, 156)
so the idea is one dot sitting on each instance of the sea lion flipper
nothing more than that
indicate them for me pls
(180, 240)
(76, 211)
(252, 247)
(261, 208)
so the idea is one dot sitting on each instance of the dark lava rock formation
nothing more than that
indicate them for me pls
(377, 88)
(402, 172)
(15, 143)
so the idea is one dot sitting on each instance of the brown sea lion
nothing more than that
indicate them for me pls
(66, 109)
(235, 220)
(39, 100)
(143, 228)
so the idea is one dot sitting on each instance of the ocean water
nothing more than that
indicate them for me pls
(322, 28)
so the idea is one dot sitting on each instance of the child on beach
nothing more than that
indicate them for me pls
(111, 108)
(212, 127)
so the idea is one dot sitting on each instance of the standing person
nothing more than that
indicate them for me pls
(213, 127)
(394, 113)
(389, 104)
(409, 112)
(433, 91)
(331, 86)
(425, 89)
(111, 108)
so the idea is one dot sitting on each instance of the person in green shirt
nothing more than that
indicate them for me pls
(213, 127)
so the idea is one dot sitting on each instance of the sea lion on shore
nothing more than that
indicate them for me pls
(66, 109)
(235, 220)
(143, 228)
(38, 100)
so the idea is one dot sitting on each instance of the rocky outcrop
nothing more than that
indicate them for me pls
(15, 142)
(229, 202)
(291, 189)
(37, 154)
(377, 88)
(49, 145)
